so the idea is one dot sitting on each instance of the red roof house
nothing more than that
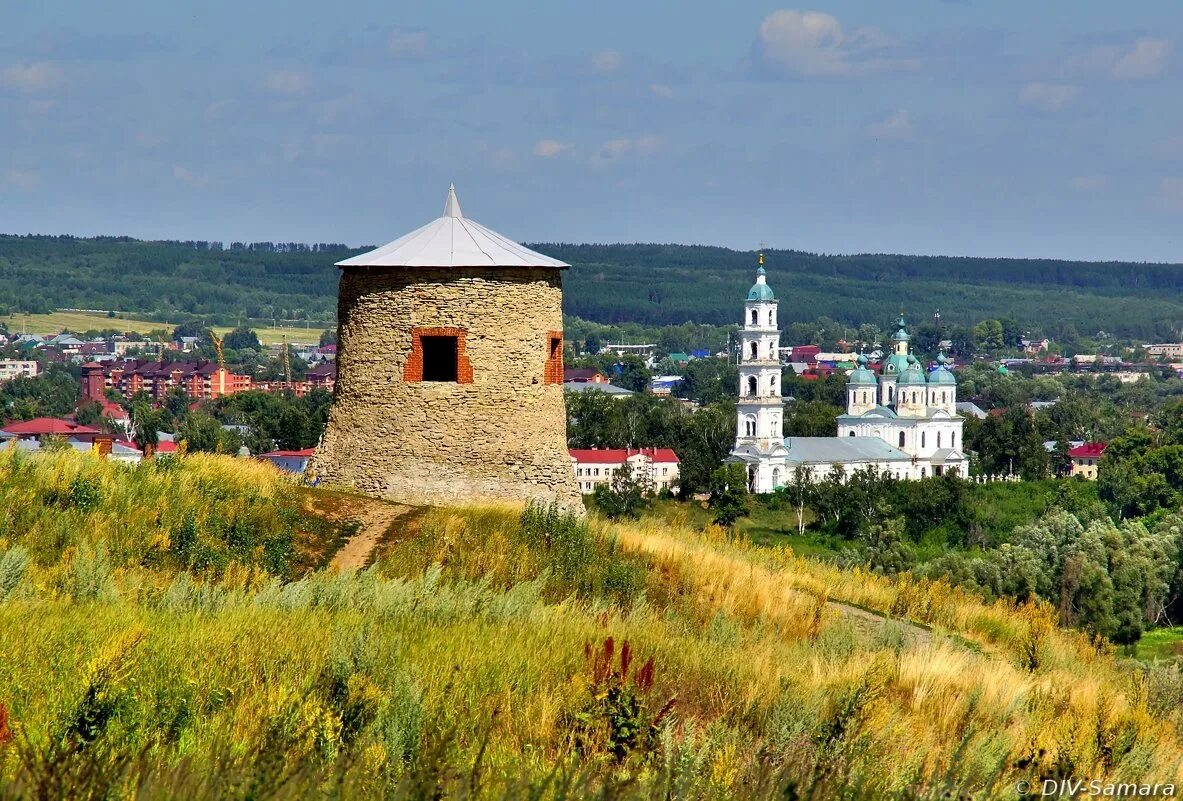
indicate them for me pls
(51, 426)
(594, 466)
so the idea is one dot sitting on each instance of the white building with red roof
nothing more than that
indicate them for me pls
(1085, 459)
(595, 466)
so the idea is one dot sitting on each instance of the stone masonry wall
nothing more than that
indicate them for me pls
(501, 437)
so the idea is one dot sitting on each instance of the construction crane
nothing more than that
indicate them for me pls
(218, 349)
(287, 364)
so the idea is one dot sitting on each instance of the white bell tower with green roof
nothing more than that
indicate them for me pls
(759, 437)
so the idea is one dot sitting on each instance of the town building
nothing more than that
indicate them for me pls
(908, 409)
(200, 380)
(290, 461)
(10, 369)
(583, 375)
(40, 427)
(612, 390)
(1165, 350)
(759, 436)
(1085, 459)
(450, 370)
(658, 467)
(902, 421)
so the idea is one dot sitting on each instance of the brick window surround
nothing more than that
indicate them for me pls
(553, 373)
(413, 369)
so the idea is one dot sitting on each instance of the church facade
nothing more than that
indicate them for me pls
(909, 409)
(901, 421)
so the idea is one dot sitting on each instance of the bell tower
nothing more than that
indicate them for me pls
(759, 438)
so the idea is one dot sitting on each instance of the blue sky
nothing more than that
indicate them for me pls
(964, 127)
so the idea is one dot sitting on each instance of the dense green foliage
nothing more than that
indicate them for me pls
(645, 285)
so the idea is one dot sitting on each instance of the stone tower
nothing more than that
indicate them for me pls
(450, 371)
(759, 436)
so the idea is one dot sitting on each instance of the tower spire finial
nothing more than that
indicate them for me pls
(452, 205)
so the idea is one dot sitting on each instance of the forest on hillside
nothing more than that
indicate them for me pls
(654, 285)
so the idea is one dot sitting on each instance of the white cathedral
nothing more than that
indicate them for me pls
(902, 422)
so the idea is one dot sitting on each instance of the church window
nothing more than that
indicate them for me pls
(852, 433)
(775, 477)
(751, 386)
(924, 472)
(755, 352)
(901, 439)
(771, 317)
(754, 317)
(938, 439)
(953, 440)
(922, 438)
(750, 426)
(943, 396)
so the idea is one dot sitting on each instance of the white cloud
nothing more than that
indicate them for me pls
(1146, 57)
(1170, 194)
(406, 44)
(662, 90)
(35, 77)
(607, 61)
(615, 149)
(549, 148)
(285, 82)
(19, 179)
(186, 176)
(896, 126)
(1088, 183)
(813, 44)
(1047, 96)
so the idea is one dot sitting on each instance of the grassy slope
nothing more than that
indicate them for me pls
(87, 321)
(466, 646)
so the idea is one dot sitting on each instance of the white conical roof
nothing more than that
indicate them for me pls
(452, 241)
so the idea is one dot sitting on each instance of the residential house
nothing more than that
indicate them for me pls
(595, 466)
(50, 426)
(591, 386)
(1034, 347)
(290, 461)
(1085, 458)
(583, 375)
(10, 369)
(664, 384)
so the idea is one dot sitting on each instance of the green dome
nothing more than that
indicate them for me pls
(861, 375)
(942, 375)
(760, 290)
(895, 365)
(913, 375)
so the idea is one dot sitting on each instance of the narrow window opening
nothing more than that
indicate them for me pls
(440, 358)
(901, 439)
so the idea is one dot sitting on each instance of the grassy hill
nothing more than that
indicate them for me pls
(306, 332)
(168, 632)
(646, 284)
